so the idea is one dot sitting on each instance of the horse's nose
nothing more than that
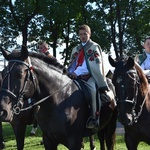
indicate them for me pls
(125, 120)
(3, 115)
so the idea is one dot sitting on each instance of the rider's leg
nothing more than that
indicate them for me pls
(93, 120)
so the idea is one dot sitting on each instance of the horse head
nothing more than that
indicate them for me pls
(15, 82)
(128, 80)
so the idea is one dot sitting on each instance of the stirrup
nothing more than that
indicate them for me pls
(92, 123)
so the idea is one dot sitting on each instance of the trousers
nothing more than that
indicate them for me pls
(94, 94)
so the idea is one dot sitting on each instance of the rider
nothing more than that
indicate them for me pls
(43, 48)
(144, 58)
(86, 63)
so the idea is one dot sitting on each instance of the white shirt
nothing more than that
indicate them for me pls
(146, 65)
(82, 70)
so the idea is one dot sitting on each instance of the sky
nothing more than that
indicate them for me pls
(107, 66)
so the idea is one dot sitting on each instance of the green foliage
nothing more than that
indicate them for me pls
(33, 142)
(115, 24)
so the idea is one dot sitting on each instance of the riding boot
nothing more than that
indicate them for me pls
(105, 96)
(93, 120)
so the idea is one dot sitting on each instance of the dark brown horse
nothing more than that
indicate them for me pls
(133, 101)
(63, 109)
(106, 135)
(19, 122)
(2, 143)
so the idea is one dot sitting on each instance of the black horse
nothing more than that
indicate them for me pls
(2, 143)
(106, 136)
(19, 122)
(63, 109)
(133, 101)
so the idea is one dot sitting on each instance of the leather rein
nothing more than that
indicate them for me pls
(17, 108)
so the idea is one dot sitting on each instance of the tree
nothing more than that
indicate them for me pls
(20, 14)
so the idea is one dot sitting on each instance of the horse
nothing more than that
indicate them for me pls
(63, 109)
(19, 123)
(2, 143)
(133, 100)
(106, 135)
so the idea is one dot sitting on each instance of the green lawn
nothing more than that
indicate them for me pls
(33, 143)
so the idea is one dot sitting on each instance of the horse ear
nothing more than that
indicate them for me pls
(130, 62)
(24, 52)
(5, 53)
(111, 61)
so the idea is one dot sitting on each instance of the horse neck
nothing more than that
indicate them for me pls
(51, 82)
(143, 98)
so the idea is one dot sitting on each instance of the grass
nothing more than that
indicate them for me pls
(33, 142)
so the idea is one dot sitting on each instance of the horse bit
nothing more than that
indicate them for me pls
(133, 101)
(17, 108)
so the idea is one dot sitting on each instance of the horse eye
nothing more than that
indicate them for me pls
(19, 74)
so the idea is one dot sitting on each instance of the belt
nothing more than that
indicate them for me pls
(85, 77)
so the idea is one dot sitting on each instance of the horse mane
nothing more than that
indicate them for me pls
(142, 77)
(16, 54)
(144, 85)
(49, 60)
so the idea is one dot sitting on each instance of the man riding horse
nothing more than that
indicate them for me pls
(144, 59)
(86, 63)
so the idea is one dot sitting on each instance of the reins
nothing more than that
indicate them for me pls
(45, 98)
(137, 115)
(16, 108)
(141, 107)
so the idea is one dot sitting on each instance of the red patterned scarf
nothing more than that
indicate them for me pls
(80, 58)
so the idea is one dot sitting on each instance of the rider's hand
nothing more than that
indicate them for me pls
(73, 75)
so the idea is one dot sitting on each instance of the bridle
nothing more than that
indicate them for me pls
(135, 113)
(17, 108)
(29, 74)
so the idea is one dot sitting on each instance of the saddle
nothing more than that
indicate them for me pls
(83, 88)
(104, 97)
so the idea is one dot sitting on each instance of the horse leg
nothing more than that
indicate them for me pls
(110, 140)
(49, 142)
(19, 130)
(101, 137)
(92, 145)
(111, 128)
(130, 141)
(108, 132)
(34, 127)
(74, 143)
(82, 143)
(2, 144)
